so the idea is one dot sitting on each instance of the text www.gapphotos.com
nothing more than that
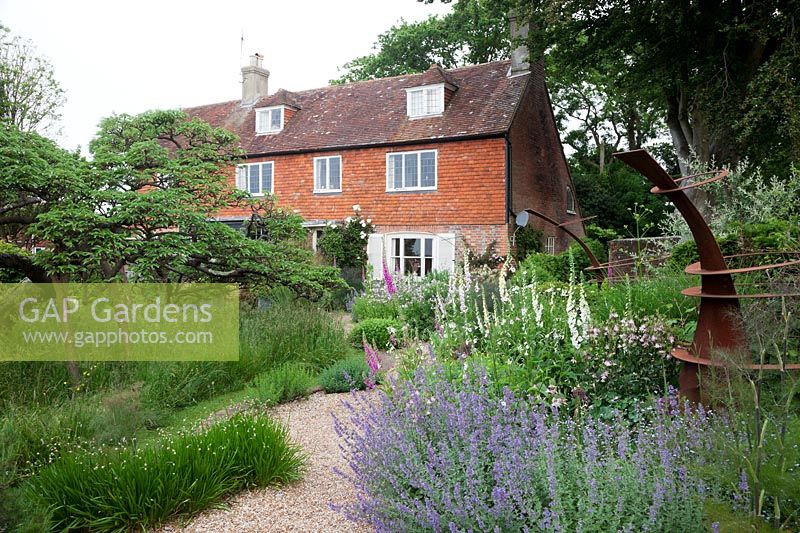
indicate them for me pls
(81, 339)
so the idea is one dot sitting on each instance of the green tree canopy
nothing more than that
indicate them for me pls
(30, 96)
(476, 31)
(703, 65)
(142, 209)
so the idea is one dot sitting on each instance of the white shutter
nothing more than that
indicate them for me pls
(241, 177)
(445, 258)
(375, 254)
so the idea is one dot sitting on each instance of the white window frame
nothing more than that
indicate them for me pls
(432, 100)
(389, 168)
(246, 169)
(570, 201)
(550, 245)
(390, 255)
(327, 159)
(270, 128)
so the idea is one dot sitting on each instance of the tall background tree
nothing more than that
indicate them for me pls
(30, 96)
(476, 31)
(723, 75)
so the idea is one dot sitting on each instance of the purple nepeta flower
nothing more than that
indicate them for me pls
(441, 452)
(743, 486)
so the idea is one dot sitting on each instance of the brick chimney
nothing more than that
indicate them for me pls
(254, 80)
(520, 56)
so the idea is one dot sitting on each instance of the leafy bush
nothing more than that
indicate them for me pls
(8, 275)
(420, 317)
(365, 308)
(561, 267)
(376, 331)
(434, 456)
(345, 243)
(528, 240)
(133, 489)
(414, 299)
(283, 384)
(345, 375)
(745, 197)
(537, 266)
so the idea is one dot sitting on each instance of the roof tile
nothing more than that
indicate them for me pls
(374, 112)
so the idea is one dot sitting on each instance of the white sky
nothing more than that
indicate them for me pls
(130, 56)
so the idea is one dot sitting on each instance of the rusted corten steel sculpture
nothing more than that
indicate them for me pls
(719, 324)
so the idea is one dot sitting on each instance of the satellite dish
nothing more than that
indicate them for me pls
(522, 219)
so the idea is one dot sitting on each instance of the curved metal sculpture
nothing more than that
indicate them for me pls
(719, 325)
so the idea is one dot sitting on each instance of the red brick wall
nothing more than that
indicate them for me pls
(470, 188)
(539, 172)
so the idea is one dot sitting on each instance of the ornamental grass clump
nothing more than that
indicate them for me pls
(439, 456)
(122, 490)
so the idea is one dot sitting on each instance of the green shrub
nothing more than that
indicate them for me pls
(538, 267)
(375, 331)
(137, 489)
(345, 375)
(685, 253)
(365, 308)
(545, 267)
(528, 240)
(770, 236)
(420, 317)
(283, 384)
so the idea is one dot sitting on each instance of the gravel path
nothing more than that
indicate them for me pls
(302, 506)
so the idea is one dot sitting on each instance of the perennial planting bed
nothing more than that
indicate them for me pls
(303, 506)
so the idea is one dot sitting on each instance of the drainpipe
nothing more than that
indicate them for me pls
(509, 212)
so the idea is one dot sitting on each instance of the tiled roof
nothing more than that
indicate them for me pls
(374, 112)
(435, 74)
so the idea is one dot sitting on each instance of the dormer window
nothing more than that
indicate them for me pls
(425, 101)
(269, 119)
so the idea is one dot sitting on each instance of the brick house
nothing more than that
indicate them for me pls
(437, 160)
